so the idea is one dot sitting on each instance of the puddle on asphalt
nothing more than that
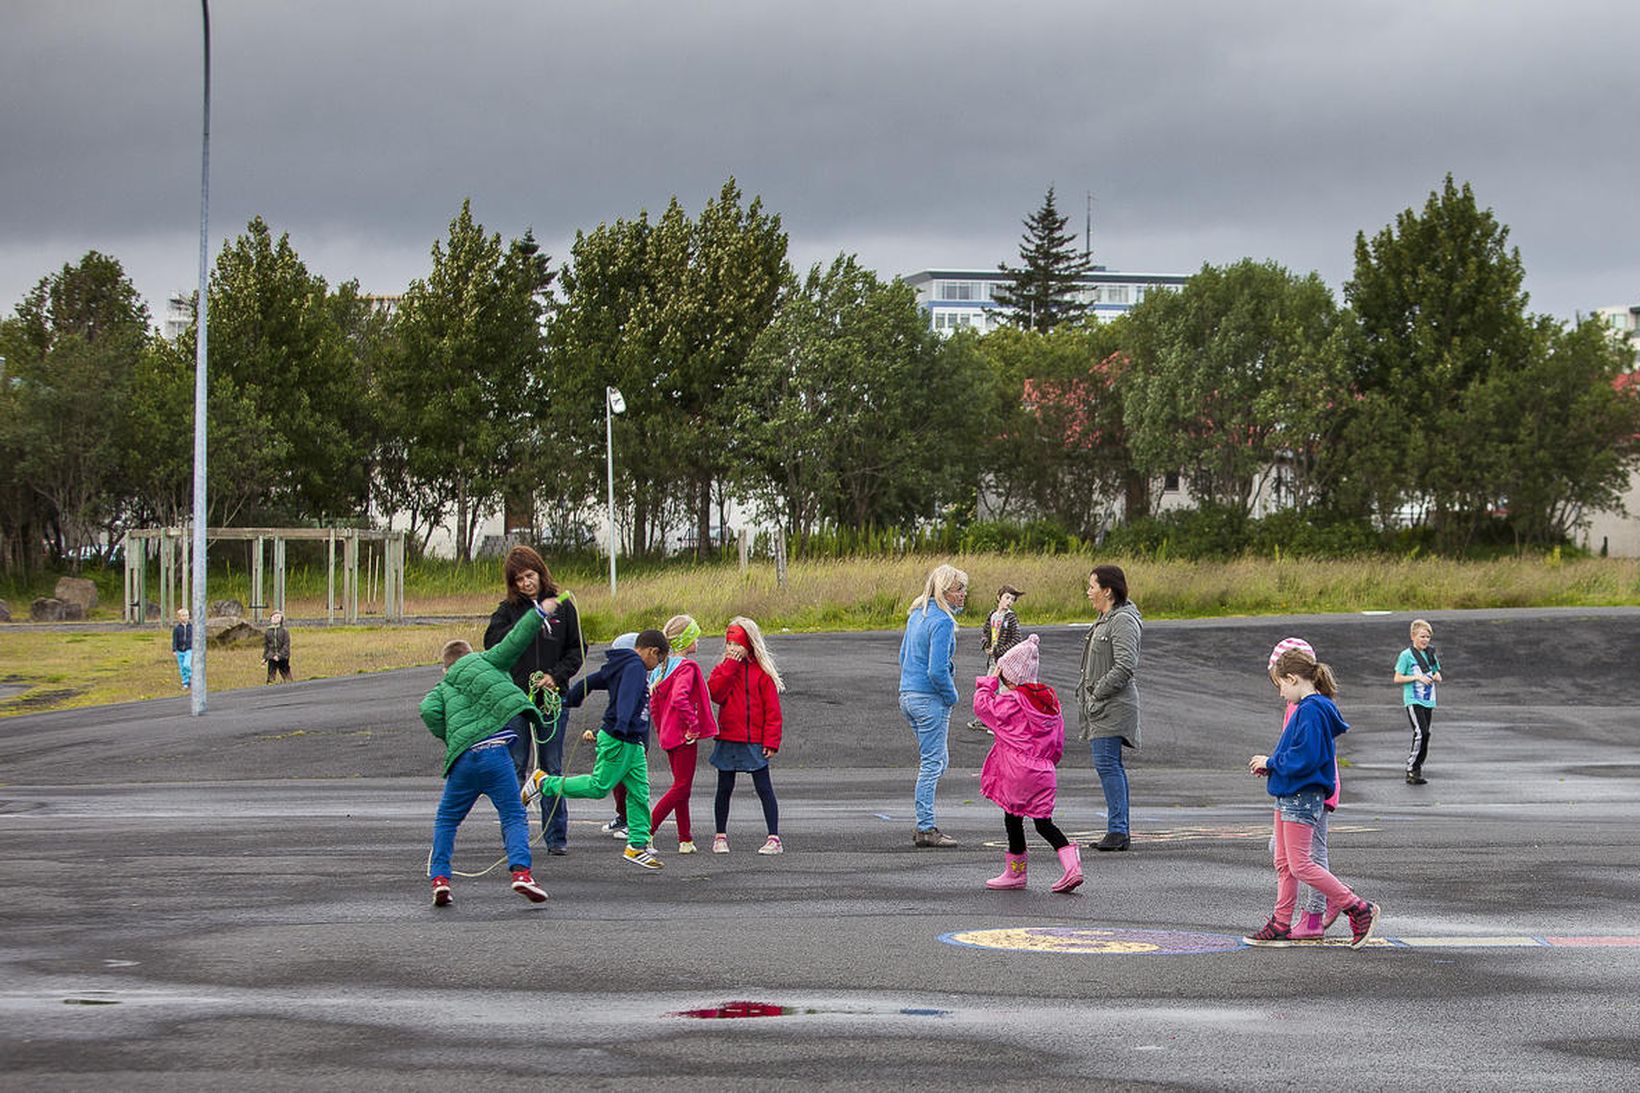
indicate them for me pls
(730, 1010)
(91, 1001)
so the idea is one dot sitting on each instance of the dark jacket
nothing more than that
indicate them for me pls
(182, 637)
(276, 643)
(476, 698)
(557, 653)
(623, 675)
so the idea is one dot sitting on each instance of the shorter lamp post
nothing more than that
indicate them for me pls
(613, 404)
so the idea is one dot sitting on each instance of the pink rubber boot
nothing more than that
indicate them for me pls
(1012, 875)
(1308, 927)
(1070, 856)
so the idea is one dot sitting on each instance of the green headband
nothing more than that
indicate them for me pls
(687, 638)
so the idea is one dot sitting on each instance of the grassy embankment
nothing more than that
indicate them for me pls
(64, 669)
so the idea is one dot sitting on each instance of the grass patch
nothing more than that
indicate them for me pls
(87, 669)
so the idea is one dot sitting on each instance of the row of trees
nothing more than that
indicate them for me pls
(823, 398)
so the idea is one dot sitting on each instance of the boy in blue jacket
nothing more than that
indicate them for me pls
(621, 738)
(1301, 775)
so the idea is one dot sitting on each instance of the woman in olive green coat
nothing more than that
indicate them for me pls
(1107, 697)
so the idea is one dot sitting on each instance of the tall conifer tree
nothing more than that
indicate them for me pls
(1041, 292)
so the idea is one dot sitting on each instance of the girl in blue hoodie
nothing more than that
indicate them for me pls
(1301, 774)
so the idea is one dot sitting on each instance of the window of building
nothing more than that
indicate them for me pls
(1170, 482)
(1116, 294)
(961, 290)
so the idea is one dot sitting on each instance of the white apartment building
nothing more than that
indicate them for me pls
(956, 299)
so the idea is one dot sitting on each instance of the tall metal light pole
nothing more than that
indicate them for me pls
(196, 694)
(613, 404)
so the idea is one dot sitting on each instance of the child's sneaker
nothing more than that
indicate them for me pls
(772, 846)
(720, 844)
(644, 857)
(532, 787)
(615, 829)
(525, 885)
(441, 892)
(1363, 919)
(1308, 927)
(685, 846)
(1272, 934)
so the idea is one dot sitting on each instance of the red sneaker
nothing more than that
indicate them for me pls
(1363, 918)
(441, 892)
(525, 885)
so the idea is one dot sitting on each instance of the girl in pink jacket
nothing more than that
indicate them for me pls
(682, 712)
(1019, 773)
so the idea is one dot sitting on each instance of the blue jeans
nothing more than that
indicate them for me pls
(550, 754)
(486, 771)
(185, 666)
(930, 718)
(1107, 761)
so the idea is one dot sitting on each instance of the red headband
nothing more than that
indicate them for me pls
(738, 635)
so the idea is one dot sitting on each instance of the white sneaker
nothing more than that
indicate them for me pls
(772, 846)
(685, 847)
(720, 844)
(614, 829)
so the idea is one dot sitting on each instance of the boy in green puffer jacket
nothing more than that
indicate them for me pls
(478, 711)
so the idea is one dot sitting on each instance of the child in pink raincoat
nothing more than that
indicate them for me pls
(682, 712)
(1019, 773)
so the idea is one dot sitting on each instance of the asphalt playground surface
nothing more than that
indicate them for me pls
(239, 900)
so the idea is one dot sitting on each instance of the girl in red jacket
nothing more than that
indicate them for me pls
(682, 713)
(746, 685)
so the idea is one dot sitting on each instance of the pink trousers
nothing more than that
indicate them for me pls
(1294, 865)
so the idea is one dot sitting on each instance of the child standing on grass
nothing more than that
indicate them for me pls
(1300, 773)
(1313, 917)
(1001, 635)
(276, 646)
(621, 759)
(1019, 773)
(1418, 670)
(746, 685)
(479, 712)
(682, 712)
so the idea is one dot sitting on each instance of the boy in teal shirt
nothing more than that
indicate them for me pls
(1418, 670)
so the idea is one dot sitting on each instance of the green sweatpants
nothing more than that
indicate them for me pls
(618, 763)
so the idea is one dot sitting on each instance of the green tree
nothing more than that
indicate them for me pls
(276, 334)
(1234, 380)
(1440, 322)
(71, 348)
(1042, 290)
(462, 381)
(1059, 446)
(852, 412)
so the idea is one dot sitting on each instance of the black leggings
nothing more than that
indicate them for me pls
(765, 793)
(1044, 827)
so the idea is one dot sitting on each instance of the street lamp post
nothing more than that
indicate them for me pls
(196, 694)
(613, 404)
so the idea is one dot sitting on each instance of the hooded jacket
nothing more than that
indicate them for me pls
(680, 706)
(623, 675)
(1030, 740)
(748, 703)
(1107, 696)
(1306, 756)
(476, 698)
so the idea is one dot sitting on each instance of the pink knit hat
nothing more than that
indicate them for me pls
(1020, 664)
(1285, 644)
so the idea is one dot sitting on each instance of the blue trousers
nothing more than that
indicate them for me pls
(930, 718)
(550, 754)
(185, 666)
(1107, 762)
(486, 772)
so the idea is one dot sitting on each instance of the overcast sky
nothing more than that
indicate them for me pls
(913, 134)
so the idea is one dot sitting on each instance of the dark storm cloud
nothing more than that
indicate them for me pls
(913, 133)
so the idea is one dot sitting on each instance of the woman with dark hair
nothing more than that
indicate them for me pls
(556, 653)
(1107, 697)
